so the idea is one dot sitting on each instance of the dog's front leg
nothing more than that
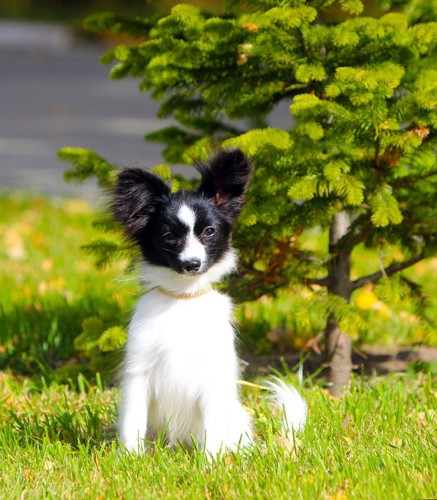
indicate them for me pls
(132, 420)
(227, 427)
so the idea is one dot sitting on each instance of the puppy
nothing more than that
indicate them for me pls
(180, 370)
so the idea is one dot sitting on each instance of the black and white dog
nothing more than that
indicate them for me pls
(180, 370)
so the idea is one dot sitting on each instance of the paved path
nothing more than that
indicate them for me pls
(53, 93)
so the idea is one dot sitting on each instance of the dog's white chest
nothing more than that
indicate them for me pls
(186, 350)
(181, 342)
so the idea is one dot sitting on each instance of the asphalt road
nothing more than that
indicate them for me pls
(54, 92)
(50, 99)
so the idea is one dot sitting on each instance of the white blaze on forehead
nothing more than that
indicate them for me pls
(193, 250)
(187, 216)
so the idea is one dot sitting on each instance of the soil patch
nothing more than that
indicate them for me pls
(371, 360)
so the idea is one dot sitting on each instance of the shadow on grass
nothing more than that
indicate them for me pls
(37, 340)
(372, 361)
(75, 426)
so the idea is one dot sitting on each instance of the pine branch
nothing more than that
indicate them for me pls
(358, 231)
(317, 281)
(388, 271)
(268, 278)
(413, 179)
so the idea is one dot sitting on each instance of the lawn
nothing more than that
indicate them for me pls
(376, 442)
(51, 289)
(57, 436)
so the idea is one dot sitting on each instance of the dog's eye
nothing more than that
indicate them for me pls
(208, 232)
(168, 236)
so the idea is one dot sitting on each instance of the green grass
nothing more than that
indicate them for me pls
(49, 287)
(57, 434)
(376, 442)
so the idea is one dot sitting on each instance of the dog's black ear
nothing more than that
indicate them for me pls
(135, 197)
(225, 178)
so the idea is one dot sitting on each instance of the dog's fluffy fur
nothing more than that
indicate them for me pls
(180, 371)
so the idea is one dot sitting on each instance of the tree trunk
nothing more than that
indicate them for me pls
(339, 357)
(338, 344)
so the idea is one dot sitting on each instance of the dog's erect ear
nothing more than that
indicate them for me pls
(225, 179)
(135, 198)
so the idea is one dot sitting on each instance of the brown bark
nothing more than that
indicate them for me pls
(338, 344)
(339, 354)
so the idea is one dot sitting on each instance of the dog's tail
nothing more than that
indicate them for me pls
(291, 404)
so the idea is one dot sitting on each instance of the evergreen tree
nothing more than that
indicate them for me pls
(359, 160)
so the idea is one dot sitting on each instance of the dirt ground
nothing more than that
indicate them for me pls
(370, 360)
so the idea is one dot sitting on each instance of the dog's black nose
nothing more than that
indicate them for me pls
(191, 266)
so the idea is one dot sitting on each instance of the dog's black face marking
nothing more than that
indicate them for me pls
(188, 231)
(188, 235)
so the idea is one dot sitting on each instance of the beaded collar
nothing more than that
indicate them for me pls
(184, 295)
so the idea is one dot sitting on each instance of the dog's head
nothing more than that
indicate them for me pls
(188, 231)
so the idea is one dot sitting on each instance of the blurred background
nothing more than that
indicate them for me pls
(54, 92)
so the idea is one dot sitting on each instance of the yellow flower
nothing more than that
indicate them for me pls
(366, 299)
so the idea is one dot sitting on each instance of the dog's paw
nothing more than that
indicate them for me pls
(135, 447)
